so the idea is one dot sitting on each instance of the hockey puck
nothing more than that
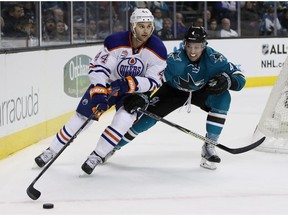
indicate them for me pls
(48, 205)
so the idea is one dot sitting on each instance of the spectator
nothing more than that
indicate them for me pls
(249, 20)
(284, 21)
(59, 16)
(78, 28)
(162, 6)
(29, 11)
(49, 29)
(91, 31)
(180, 26)
(158, 20)
(30, 28)
(199, 22)
(260, 8)
(166, 33)
(226, 31)
(48, 14)
(227, 9)
(267, 23)
(61, 34)
(14, 21)
(213, 31)
(209, 16)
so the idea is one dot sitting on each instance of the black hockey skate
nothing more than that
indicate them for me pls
(44, 157)
(92, 161)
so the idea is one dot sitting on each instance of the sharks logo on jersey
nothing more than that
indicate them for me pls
(175, 56)
(189, 83)
(217, 57)
(130, 66)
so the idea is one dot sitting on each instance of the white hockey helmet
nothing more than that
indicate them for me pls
(141, 15)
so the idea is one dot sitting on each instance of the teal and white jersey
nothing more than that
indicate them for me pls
(185, 75)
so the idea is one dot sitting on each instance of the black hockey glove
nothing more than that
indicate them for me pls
(134, 101)
(218, 84)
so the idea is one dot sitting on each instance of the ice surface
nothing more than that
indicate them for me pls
(158, 173)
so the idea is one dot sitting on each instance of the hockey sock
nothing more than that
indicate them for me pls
(142, 125)
(128, 137)
(67, 131)
(215, 122)
(212, 136)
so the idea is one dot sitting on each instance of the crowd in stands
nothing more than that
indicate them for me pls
(18, 19)
(257, 19)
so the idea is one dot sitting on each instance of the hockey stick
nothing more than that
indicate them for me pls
(34, 193)
(205, 139)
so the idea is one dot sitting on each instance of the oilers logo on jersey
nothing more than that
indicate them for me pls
(130, 66)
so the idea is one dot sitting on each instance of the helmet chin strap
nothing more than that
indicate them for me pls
(134, 33)
(139, 40)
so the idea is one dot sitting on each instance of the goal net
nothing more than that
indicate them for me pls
(273, 123)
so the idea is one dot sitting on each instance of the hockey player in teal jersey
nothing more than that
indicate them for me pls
(195, 74)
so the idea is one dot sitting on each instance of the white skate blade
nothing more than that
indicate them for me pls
(207, 164)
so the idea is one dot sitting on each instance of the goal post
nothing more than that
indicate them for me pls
(273, 123)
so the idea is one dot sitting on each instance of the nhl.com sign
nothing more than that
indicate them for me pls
(76, 78)
(273, 52)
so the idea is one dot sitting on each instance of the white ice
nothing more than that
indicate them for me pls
(158, 173)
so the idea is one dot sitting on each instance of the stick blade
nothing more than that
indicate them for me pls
(242, 149)
(33, 193)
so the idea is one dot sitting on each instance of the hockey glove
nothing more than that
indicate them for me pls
(125, 85)
(135, 101)
(218, 84)
(98, 95)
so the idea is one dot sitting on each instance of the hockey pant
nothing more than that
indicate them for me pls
(169, 99)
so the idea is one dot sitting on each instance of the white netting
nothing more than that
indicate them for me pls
(274, 120)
